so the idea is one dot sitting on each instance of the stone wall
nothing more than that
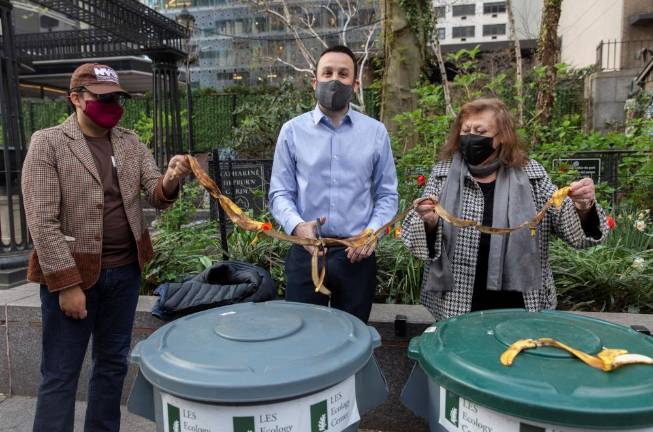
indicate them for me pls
(605, 95)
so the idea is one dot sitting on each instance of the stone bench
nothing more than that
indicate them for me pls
(20, 349)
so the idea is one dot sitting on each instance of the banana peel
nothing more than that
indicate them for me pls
(368, 238)
(555, 201)
(607, 360)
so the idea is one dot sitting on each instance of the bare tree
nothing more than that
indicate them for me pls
(437, 50)
(547, 55)
(304, 24)
(519, 81)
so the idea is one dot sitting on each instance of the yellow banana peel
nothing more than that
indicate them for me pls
(607, 360)
(368, 238)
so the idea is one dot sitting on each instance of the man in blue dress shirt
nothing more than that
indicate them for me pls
(333, 166)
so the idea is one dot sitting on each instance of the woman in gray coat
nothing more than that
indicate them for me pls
(484, 174)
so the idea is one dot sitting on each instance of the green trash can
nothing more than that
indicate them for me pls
(259, 367)
(459, 384)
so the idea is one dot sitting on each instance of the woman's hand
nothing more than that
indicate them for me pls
(583, 195)
(425, 208)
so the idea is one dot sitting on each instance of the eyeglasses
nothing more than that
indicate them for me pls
(106, 98)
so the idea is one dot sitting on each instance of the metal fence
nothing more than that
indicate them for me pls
(619, 55)
(214, 117)
(604, 166)
(13, 228)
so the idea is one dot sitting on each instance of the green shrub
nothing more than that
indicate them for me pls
(616, 276)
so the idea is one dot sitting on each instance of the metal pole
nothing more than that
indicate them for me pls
(189, 101)
(221, 216)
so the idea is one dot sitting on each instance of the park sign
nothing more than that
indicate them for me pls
(246, 183)
(586, 167)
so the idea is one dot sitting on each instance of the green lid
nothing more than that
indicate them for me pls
(543, 384)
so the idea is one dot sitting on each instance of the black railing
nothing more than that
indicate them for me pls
(620, 55)
(128, 20)
(73, 44)
(13, 228)
(166, 116)
(603, 166)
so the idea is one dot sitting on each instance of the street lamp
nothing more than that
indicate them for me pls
(187, 20)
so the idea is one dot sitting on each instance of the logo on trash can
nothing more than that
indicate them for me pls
(319, 419)
(173, 419)
(451, 407)
(243, 424)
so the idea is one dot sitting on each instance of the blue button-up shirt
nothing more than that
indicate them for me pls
(345, 173)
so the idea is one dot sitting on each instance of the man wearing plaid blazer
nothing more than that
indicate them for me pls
(82, 182)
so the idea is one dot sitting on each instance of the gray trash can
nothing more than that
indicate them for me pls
(265, 367)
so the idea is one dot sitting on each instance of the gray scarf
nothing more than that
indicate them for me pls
(514, 261)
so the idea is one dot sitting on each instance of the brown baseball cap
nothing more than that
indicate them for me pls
(97, 78)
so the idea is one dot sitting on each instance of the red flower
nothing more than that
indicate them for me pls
(388, 230)
(421, 180)
(612, 224)
(267, 226)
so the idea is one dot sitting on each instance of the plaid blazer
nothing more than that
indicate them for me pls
(64, 200)
(564, 223)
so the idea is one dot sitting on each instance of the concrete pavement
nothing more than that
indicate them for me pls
(17, 415)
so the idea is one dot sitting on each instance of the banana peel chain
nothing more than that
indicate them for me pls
(607, 360)
(366, 238)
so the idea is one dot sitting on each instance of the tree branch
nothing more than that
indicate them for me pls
(437, 50)
(368, 44)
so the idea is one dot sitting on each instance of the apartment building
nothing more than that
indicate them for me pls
(467, 23)
(239, 43)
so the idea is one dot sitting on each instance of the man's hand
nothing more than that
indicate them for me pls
(358, 254)
(178, 168)
(425, 208)
(72, 302)
(309, 230)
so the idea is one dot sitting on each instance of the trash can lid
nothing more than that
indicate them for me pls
(543, 384)
(254, 352)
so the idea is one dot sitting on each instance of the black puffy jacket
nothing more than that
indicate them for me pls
(224, 283)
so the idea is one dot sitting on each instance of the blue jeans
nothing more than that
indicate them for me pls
(111, 305)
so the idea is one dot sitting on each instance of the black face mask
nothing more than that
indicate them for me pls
(333, 95)
(476, 148)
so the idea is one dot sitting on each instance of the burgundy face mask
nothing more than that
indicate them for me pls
(104, 114)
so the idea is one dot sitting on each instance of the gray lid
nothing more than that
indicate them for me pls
(254, 352)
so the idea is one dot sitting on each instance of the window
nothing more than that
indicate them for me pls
(176, 4)
(440, 11)
(494, 29)
(494, 8)
(463, 32)
(276, 24)
(260, 25)
(442, 33)
(463, 10)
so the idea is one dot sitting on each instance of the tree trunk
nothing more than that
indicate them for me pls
(519, 77)
(547, 55)
(404, 59)
(437, 50)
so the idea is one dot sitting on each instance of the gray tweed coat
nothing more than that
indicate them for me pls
(563, 223)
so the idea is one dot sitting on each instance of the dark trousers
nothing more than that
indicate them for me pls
(352, 286)
(111, 305)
